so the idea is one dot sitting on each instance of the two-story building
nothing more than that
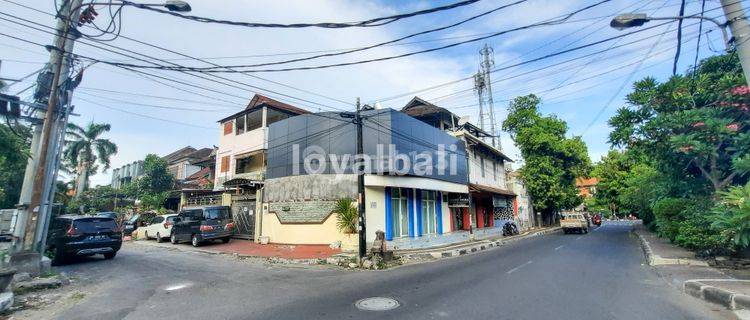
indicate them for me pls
(241, 159)
(491, 202)
(311, 160)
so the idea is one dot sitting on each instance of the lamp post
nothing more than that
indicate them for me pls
(735, 20)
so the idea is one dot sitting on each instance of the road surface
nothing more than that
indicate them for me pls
(600, 275)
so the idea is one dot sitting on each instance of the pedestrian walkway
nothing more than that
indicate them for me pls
(250, 248)
(693, 276)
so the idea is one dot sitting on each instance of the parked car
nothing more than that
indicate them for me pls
(574, 222)
(201, 224)
(131, 225)
(73, 235)
(159, 227)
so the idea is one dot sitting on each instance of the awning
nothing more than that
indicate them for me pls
(482, 188)
(242, 182)
(249, 154)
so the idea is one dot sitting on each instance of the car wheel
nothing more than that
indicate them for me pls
(158, 238)
(225, 240)
(586, 230)
(110, 255)
(195, 241)
(173, 239)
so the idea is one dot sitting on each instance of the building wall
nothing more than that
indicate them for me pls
(236, 144)
(492, 178)
(319, 233)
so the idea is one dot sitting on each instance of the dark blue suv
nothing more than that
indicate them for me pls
(73, 235)
(204, 223)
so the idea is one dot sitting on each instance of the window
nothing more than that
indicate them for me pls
(224, 164)
(248, 164)
(156, 220)
(216, 213)
(228, 127)
(429, 212)
(254, 120)
(273, 115)
(481, 163)
(239, 123)
(399, 212)
(494, 170)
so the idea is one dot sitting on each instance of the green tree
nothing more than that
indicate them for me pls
(100, 198)
(86, 149)
(611, 172)
(153, 187)
(14, 154)
(693, 126)
(552, 161)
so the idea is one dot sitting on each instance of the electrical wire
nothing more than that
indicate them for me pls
(679, 37)
(326, 66)
(374, 22)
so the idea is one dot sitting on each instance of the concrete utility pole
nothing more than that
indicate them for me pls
(737, 21)
(37, 180)
(360, 184)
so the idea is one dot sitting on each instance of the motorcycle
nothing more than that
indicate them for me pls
(597, 219)
(510, 229)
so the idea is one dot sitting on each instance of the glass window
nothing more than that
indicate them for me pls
(239, 125)
(399, 212)
(254, 120)
(156, 220)
(216, 213)
(91, 225)
(481, 163)
(429, 215)
(273, 115)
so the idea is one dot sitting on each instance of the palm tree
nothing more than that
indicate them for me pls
(85, 149)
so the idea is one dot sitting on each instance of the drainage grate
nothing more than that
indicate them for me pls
(377, 304)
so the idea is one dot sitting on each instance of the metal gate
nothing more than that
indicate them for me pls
(243, 214)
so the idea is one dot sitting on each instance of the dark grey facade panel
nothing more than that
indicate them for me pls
(325, 133)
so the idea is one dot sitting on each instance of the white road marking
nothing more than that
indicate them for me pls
(178, 286)
(579, 238)
(558, 248)
(519, 267)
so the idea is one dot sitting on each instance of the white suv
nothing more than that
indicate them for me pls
(159, 227)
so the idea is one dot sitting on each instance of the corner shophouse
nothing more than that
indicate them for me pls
(241, 162)
(491, 203)
(411, 208)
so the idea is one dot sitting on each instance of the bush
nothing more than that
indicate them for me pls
(347, 216)
(732, 215)
(696, 233)
(668, 214)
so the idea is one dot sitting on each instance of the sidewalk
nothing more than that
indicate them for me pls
(458, 249)
(694, 276)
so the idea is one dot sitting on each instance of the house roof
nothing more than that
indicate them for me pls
(202, 173)
(484, 145)
(586, 182)
(418, 107)
(479, 187)
(206, 160)
(179, 154)
(259, 101)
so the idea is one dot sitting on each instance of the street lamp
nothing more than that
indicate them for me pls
(630, 20)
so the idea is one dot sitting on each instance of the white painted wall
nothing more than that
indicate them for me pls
(233, 144)
(495, 179)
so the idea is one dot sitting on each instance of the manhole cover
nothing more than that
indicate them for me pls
(377, 304)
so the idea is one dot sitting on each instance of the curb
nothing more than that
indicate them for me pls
(469, 248)
(656, 260)
(729, 299)
(272, 260)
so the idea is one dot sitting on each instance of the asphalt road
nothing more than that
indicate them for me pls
(600, 275)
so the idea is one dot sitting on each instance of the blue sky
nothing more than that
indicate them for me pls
(576, 91)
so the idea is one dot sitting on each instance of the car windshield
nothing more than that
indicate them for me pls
(133, 219)
(216, 213)
(94, 224)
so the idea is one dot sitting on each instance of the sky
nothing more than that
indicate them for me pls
(148, 114)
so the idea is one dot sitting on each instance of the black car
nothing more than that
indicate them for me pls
(200, 224)
(74, 236)
(131, 224)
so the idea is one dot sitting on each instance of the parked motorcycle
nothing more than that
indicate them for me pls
(510, 229)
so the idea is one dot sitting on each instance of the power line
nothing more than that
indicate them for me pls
(679, 37)
(332, 25)
(549, 22)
